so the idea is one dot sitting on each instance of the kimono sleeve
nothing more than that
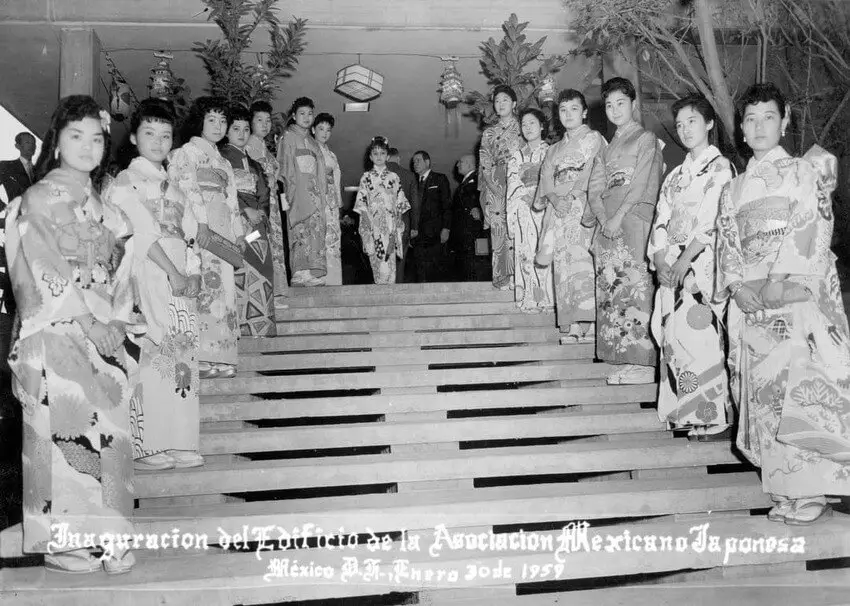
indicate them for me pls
(337, 193)
(361, 203)
(128, 198)
(547, 174)
(514, 187)
(729, 254)
(663, 210)
(596, 187)
(233, 202)
(286, 159)
(42, 279)
(643, 188)
(811, 225)
(720, 173)
(183, 173)
(402, 203)
(361, 207)
(485, 162)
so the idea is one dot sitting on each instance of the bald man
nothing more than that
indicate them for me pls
(467, 225)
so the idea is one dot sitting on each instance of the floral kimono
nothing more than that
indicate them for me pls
(64, 263)
(334, 203)
(381, 203)
(302, 168)
(257, 151)
(686, 322)
(498, 144)
(164, 412)
(625, 175)
(533, 288)
(790, 366)
(209, 185)
(565, 174)
(255, 279)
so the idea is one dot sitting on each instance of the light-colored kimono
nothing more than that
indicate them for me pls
(498, 144)
(565, 174)
(625, 174)
(209, 185)
(164, 410)
(687, 324)
(790, 366)
(333, 244)
(302, 169)
(533, 287)
(381, 204)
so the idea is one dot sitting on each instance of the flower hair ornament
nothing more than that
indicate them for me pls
(105, 120)
(380, 139)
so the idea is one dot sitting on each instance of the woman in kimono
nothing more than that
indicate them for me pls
(255, 279)
(322, 127)
(498, 144)
(622, 195)
(566, 242)
(381, 204)
(687, 324)
(302, 168)
(209, 186)
(789, 349)
(164, 414)
(71, 359)
(533, 289)
(258, 151)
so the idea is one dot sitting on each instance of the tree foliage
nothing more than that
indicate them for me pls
(511, 61)
(235, 79)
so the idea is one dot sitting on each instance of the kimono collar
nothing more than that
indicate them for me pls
(627, 129)
(66, 179)
(513, 122)
(695, 165)
(235, 150)
(206, 147)
(256, 147)
(297, 130)
(577, 133)
(777, 153)
(147, 169)
(382, 171)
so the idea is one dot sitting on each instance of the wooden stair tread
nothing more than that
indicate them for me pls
(382, 324)
(404, 378)
(561, 424)
(242, 476)
(463, 400)
(350, 312)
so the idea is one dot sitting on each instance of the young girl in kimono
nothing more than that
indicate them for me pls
(498, 144)
(209, 185)
(322, 127)
(565, 242)
(381, 204)
(789, 347)
(164, 410)
(533, 288)
(71, 359)
(687, 324)
(258, 151)
(255, 279)
(622, 195)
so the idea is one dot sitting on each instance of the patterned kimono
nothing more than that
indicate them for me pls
(334, 203)
(533, 288)
(257, 151)
(626, 174)
(255, 279)
(686, 322)
(381, 203)
(790, 366)
(498, 144)
(302, 168)
(565, 174)
(164, 411)
(61, 245)
(209, 185)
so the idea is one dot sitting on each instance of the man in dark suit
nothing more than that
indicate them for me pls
(430, 228)
(467, 224)
(17, 175)
(410, 188)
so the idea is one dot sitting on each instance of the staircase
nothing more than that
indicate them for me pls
(442, 411)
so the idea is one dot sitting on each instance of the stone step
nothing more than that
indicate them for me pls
(569, 458)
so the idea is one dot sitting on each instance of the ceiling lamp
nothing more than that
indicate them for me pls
(547, 90)
(358, 82)
(451, 85)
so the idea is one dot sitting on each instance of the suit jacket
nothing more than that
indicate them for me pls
(410, 187)
(435, 208)
(14, 178)
(465, 229)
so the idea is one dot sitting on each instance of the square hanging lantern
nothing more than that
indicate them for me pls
(358, 82)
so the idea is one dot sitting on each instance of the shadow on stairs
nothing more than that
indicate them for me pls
(430, 444)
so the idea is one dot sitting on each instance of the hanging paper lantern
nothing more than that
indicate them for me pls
(358, 82)
(451, 85)
(120, 98)
(547, 90)
(162, 78)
